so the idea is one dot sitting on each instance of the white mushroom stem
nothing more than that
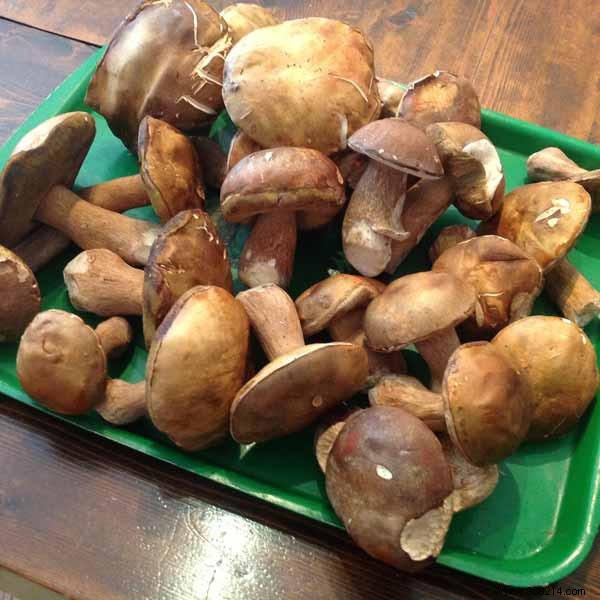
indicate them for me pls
(41, 246)
(100, 282)
(410, 394)
(90, 226)
(115, 335)
(274, 319)
(374, 218)
(123, 403)
(118, 194)
(436, 351)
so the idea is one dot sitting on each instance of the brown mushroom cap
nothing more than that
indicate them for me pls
(306, 82)
(242, 145)
(166, 60)
(558, 361)
(415, 307)
(61, 363)
(49, 155)
(400, 145)
(507, 281)
(244, 18)
(488, 405)
(20, 298)
(327, 431)
(170, 168)
(333, 297)
(196, 365)
(438, 97)
(187, 252)
(295, 389)
(282, 178)
(545, 219)
(389, 482)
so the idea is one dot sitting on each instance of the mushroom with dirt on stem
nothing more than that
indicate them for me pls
(300, 383)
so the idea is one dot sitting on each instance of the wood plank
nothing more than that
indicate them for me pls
(32, 64)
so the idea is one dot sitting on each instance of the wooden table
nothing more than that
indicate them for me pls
(93, 520)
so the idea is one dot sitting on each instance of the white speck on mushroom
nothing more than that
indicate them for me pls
(269, 156)
(343, 130)
(248, 254)
(394, 157)
(195, 17)
(383, 472)
(553, 222)
(317, 401)
(565, 320)
(583, 338)
(380, 151)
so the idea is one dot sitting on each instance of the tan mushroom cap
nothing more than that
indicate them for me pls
(307, 83)
(415, 307)
(170, 168)
(166, 60)
(545, 219)
(61, 364)
(297, 179)
(559, 362)
(333, 297)
(187, 252)
(488, 405)
(295, 389)
(243, 18)
(400, 145)
(49, 155)
(507, 280)
(20, 298)
(390, 484)
(196, 365)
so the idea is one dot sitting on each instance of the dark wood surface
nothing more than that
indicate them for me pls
(93, 520)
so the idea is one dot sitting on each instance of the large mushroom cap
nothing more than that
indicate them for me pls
(170, 168)
(545, 219)
(20, 298)
(49, 155)
(416, 307)
(295, 389)
(243, 18)
(165, 60)
(61, 364)
(307, 82)
(399, 145)
(333, 297)
(488, 405)
(389, 482)
(507, 280)
(282, 178)
(196, 365)
(558, 361)
(187, 252)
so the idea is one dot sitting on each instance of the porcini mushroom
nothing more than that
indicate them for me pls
(244, 18)
(506, 280)
(485, 405)
(329, 61)
(421, 309)
(275, 184)
(374, 215)
(389, 482)
(448, 238)
(166, 60)
(196, 365)
(242, 145)
(338, 304)
(301, 383)
(34, 185)
(391, 93)
(558, 361)
(472, 161)
(327, 431)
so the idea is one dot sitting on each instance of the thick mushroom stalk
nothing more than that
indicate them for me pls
(123, 402)
(436, 351)
(118, 195)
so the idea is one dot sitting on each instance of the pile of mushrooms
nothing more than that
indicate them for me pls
(322, 144)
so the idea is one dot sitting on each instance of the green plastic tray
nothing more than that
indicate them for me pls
(540, 522)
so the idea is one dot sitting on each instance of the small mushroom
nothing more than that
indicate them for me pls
(472, 162)
(421, 309)
(275, 184)
(506, 280)
(35, 182)
(312, 93)
(558, 361)
(440, 97)
(61, 361)
(373, 219)
(165, 60)
(301, 383)
(391, 93)
(448, 238)
(485, 405)
(338, 304)
(196, 364)
(244, 18)
(389, 482)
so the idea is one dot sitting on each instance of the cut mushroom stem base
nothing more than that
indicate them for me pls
(436, 350)
(118, 194)
(124, 402)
